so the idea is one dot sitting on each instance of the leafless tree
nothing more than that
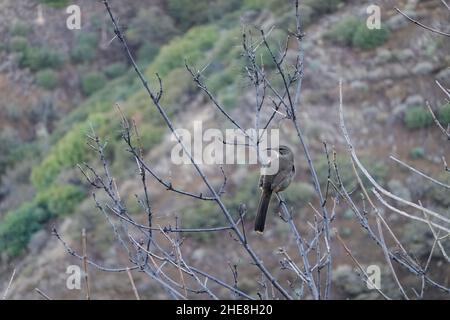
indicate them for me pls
(157, 251)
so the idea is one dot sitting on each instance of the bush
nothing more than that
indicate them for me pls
(115, 70)
(20, 29)
(377, 170)
(9, 141)
(147, 52)
(418, 239)
(188, 13)
(417, 153)
(40, 58)
(151, 26)
(92, 82)
(60, 200)
(444, 115)
(68, 151)
(18, 226)
(343, 32)
(181, 84)
(18, 44)
(192, 46)
(417, 117)
(47, 79)
(368, 39)
(85, 48)
(321, 7)
(55, 3)
(299, 194)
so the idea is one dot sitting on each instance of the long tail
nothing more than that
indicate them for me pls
(261, 214)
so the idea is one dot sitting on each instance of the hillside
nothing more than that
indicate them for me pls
(57, 85)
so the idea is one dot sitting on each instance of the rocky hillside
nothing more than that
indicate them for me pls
(56, 85)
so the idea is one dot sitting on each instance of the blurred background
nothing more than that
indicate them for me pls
(55, 83)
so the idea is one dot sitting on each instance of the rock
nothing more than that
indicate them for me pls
(423, 68)
(383, 56)
(414, 100)
(404, 55)
(399, 110)
(444, 76)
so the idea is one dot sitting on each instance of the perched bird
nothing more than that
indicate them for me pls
(274, 183)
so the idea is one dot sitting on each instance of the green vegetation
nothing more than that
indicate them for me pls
(417, 117)
(40, 58)
(47, 79)
(18, 226)
(299, 194)
(367, 39)
(9, 141)
(68, 152)
(208, 215)
(85, 48)
(20, 29)
(321, 7)
(188, 13)
(353, 32)
(55, 3)
(444, 115)
(115, 70)
(191, 46)
(92, 82)
(417, 153)
(343, 32)
(377, 170)
(18, 44)
(151, 25)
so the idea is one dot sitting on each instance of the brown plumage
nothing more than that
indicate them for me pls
(274, 183)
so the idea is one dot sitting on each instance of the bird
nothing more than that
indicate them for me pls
(274, 183)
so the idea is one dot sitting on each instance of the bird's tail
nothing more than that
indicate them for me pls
(261, 214)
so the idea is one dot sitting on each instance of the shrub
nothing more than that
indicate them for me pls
(192, 46)
(40, 58)
(55, 3)
(92, 82)
(417, 117)
(85, 48)
(151, 25)
(115, 70)
(321, 7)
(299, 194)
(60, 200)
(377, 170)
(18, 226)
(47, 79)
(9, 141)
(18, 44)
(343, 32)
(368, 39)
(180, 84)
(20, 29)
(147, 52)
(69, 151)
(206, 215)
(417, 153)
(188, 13)
(419, 239)
(444, 115)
